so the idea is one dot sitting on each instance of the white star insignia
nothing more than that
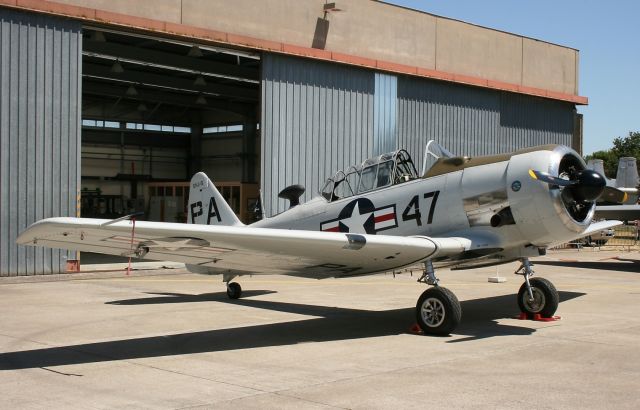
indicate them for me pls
(356, 221)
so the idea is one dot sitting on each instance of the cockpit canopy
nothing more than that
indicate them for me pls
(374, 173)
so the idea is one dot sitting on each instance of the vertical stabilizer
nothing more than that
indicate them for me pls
(207, 206)
(627, 176)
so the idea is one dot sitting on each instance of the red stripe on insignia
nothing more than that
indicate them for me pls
(334, 229)
(383, 218)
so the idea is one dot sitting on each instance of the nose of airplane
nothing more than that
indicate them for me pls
(590, 185)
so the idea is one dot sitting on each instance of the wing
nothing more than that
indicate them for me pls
(599, 226)
(238, 250)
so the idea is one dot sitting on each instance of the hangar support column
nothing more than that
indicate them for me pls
(194, 161)
(249, 150)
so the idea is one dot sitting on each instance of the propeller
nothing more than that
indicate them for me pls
(582, 186)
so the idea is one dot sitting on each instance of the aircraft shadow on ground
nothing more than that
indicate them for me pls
(163, 298)
(623, 265)
(328, 324)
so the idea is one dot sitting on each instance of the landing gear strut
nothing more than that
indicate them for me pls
(536, 295)
(438, 311)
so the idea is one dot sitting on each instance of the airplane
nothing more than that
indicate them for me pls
(378, 216)
(627, 182)
(620, 203)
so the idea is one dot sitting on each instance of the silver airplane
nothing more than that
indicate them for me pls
(622, 202)
(381, 215)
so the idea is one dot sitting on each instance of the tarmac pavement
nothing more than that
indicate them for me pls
(171, 339)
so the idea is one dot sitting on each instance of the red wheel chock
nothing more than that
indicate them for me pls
(416, 329)
(537, 317)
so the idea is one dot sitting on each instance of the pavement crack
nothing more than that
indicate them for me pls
(62, 373)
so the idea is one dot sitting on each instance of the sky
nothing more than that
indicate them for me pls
(607, 34)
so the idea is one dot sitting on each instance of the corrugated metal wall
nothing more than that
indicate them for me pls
(40, 70)
(319, 117)
(475, 121)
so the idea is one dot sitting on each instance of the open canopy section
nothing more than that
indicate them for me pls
(432, 153)
(374, 173)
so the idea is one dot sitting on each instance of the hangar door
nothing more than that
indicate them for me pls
(155, 111)
(39, 133)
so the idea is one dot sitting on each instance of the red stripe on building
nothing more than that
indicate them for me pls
(205, 34)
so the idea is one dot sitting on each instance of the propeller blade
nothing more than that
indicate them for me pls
(614, 195)
(550, 179)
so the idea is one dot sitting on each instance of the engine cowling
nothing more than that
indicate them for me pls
(546, 212)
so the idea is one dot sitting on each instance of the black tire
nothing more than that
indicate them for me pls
(438, 311)
(234, 290)
(545, 297)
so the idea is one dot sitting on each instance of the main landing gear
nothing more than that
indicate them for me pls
(537, 295)
(438, 310)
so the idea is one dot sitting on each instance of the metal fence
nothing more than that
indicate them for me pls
(625, 237)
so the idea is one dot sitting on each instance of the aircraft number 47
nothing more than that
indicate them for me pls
(412, 211)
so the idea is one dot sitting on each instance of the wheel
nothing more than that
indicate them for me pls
(545, 298)
(234, 290)
(438, 311)
(601, 242)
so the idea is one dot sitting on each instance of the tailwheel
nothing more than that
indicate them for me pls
(234, 290)
(438, 311)
(544, 301)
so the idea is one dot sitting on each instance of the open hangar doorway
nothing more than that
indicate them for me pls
(154, 112)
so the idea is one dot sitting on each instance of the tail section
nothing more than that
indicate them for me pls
(207, 206)
(627, 176)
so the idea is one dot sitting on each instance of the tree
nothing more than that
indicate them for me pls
(622, 147)
(628, 146)
(609, 159)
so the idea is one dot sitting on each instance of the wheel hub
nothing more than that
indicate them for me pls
(432, 312)
(536, 304)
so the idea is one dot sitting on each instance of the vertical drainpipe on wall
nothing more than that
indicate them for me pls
(73, 265)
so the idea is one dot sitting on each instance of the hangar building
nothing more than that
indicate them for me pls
(107, 107)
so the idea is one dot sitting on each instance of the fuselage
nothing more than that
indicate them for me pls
(492, 199)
